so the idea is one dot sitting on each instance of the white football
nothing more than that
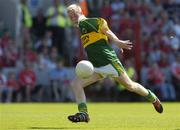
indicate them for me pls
(84, 69)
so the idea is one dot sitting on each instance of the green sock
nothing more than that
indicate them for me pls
(82, 107)
(151, 96)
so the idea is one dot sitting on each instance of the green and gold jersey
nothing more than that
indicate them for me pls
(96, 44)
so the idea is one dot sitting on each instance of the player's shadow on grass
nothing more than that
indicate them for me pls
(57, 128)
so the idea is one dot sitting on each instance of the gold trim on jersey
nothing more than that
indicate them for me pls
(91, 38)
(102, 24)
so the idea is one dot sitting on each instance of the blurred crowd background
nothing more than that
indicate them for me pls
(39, 49)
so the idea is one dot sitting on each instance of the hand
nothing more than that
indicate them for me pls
(125, 45)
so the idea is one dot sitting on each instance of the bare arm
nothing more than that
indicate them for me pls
(120, 43)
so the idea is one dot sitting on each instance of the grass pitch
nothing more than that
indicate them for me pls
(104, 116)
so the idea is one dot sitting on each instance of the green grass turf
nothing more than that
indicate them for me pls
(104, 116)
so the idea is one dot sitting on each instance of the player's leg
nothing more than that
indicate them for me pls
(78, 89)
(139, 89)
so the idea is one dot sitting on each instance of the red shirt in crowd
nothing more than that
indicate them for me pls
(157, 76)
(11, 83)
(27, 77)
(31, 55)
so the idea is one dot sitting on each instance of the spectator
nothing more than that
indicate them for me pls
(12, 84)
(26, 15)
(157, 80)
(27, 81)
(48, 39)
(155, 54)
(68, 95)
(57, 79)
(163, 62)
(28, 52)
(3, 88)
(45, 42)
(26, 19)
(56, 22)
(175, 70)
(50, 62)
(6, 38)
(42, 80)
(39, 25)
(11, 54)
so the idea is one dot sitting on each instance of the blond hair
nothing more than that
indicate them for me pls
(75, 8)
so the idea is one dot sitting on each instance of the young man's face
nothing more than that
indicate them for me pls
(73, 16)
